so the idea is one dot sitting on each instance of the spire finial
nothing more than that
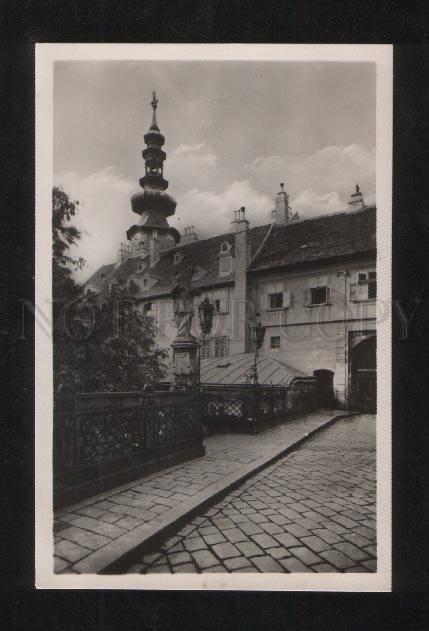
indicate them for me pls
(357, 188)
(154, 104)
(282, 185)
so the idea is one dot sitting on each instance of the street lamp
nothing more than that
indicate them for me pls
(205, 314)
(258, 334)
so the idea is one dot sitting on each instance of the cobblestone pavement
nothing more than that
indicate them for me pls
(312, 511)
(92, 525)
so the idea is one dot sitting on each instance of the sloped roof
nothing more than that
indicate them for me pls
(272, 369)
(96, 277)
(297, 243)
(320, 238)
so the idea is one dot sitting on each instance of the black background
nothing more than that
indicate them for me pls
(401, 23)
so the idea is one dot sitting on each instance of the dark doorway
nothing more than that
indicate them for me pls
(364, 375)
(325, 386)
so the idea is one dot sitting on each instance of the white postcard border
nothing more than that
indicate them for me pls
(46, 55)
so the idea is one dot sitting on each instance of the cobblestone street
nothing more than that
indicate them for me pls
(312, 511)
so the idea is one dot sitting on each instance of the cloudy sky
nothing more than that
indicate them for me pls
(234, 131)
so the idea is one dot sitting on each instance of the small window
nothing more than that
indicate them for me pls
(276, 300)
(224, 247)
(319, 295)
(145, 283)
(217, 306)
(362, 277)
(177, 258)
(275, 341)
(220, 347)
(147, 307)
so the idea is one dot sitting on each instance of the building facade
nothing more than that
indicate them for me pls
(310, 282)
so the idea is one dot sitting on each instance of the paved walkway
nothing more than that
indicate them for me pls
(312, 511)
(92, 534)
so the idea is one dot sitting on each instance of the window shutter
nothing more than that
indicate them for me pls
(353, 292)
(224, 305)
(307, 297)
(287, 299)
(362, 291)
(328, 295)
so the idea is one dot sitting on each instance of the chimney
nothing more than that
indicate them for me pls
(239, 340)
(356, 199)
(282, 211)
(154, 248)
(123, 253)
(189, 235)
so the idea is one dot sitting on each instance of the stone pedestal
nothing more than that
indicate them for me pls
(185, 362)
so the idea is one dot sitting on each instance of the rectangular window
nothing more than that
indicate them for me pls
(319, 295)
(275, 341)
(220, 347)
(372, 285)
(365, 288)
(205, 349)
(217, 306)
(276, 300)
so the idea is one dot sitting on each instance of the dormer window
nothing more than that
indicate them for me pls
(178, 257)
(225, 259)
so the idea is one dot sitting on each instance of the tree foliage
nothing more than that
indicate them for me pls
(65, 235)
(98, 346)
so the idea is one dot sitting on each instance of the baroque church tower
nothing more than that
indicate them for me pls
(152, 232)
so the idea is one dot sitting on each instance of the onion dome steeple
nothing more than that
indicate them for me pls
(153, 204)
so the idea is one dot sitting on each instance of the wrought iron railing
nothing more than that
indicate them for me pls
(249, 407)
(103, 439)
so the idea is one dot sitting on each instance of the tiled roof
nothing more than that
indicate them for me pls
(320, 238)
(297, 243)
(101, 272)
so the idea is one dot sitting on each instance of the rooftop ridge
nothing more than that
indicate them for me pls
(354, 211)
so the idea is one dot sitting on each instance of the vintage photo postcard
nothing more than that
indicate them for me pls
(213, 315)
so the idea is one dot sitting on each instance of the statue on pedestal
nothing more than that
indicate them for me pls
(183, 295)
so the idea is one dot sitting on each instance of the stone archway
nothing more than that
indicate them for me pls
(364, 375)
